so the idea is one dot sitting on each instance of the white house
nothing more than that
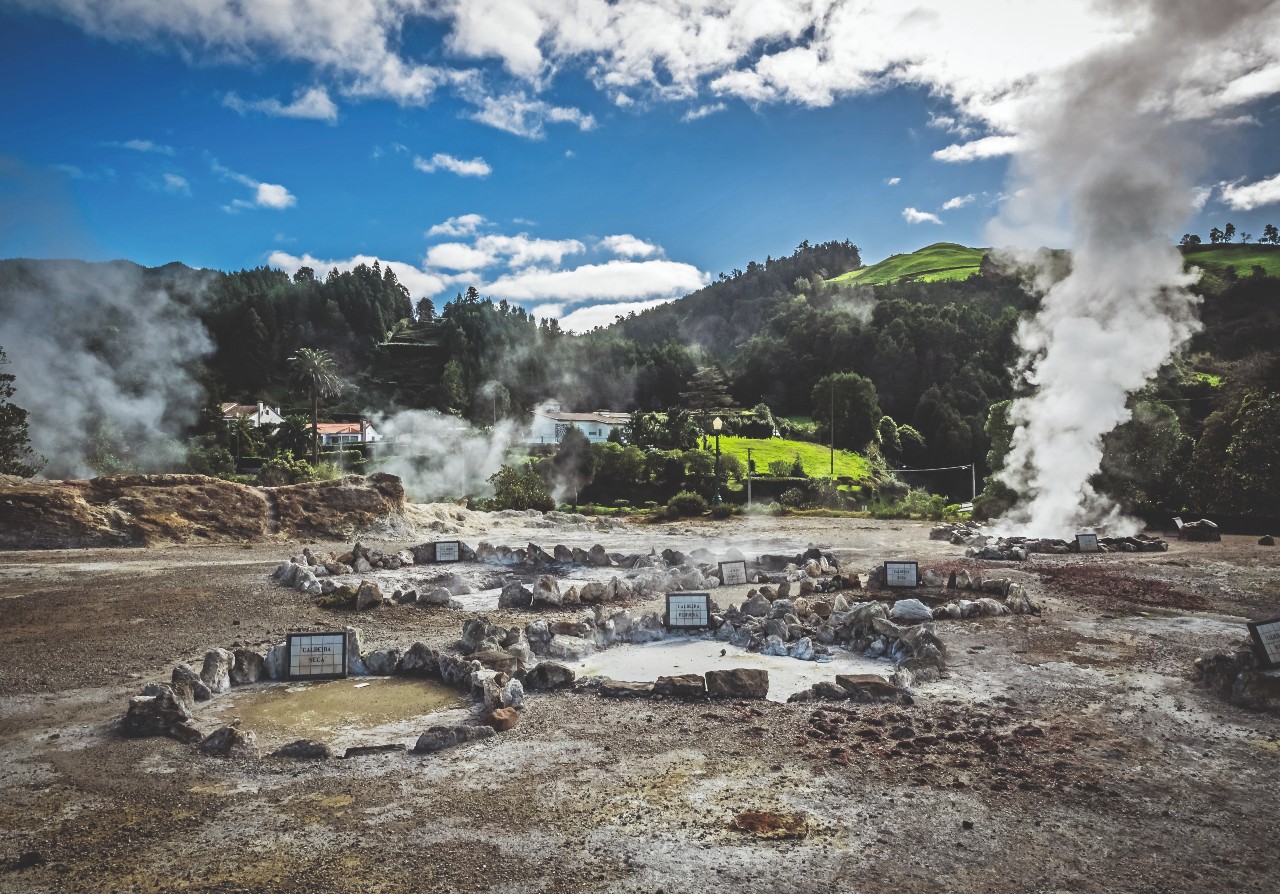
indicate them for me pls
(258, 416)
(333, 434)
(550, 424)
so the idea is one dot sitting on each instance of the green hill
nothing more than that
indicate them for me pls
(815, 458)
(934, 263)
(1235, 256)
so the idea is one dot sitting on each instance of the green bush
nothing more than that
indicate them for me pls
(519, 488)
(721, 511)
(793, 497)
(687, 503)
(283, 469)
(780, 468)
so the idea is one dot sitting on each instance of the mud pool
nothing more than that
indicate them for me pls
(787, 676)
(352, 711)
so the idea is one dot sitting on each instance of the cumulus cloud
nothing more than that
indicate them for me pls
(584, 319)
(518, 114)
(1247, 196)
(957, 202)
(265, 195)
(311, 104)
(522, 250)
(987, 147)
(475, 167)
(457, 256)
(629, 246)
(893, 181)
(462, 225)
(702, 111)
(612, 281)
(420, 283)
(914, 216)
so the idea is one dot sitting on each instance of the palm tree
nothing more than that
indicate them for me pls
(293, 435)
(314, 367)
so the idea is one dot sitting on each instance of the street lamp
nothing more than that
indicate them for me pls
(717, 424)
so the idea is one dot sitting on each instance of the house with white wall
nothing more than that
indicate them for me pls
(334, 434)
(551, 424)
(257, 416)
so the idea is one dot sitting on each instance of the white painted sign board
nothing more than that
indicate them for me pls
(1266, 641)
(317, 656)
(732, 573)
(688, 610)
(1088, 543)
(901, 574)
(448, 551)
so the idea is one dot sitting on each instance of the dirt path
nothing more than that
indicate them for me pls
(1065, 752)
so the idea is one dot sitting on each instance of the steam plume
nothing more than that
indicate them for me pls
(444, 457)
(102, 345)
(1109, 144)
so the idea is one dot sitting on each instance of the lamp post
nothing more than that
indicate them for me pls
(717, 424)
(748, 477)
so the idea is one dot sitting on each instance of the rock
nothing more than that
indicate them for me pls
(361, 566)
(547, 592)
(500, 661)
(420, 661)
(990, 608)
(501, 719)
(757, 606)
(1266, 540)
(437, 596)
(304, 750)
(802, 649)
(515, 595)
(868, 688)
(230, 741)
(438, 738)
(569, 648)
(910, 611)
(1203, 531)
(619, 689)
(774, 645)
(681, 686)
(598, 557)
(932, 578)
(183, 675)
(355, 648)
(549, 675)
(368, 596)
(383, 662)
(513, 694)
(249, 667)
(562, 553)
(476, 632)
(162, 714)
(738, 682)
(593, 592)
(537, 556)
(216, 672)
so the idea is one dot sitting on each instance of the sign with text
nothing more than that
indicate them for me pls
(1266, 641)
(733, 573)
(448, 551)
(317, 656)
(1088, 543)
(687, 611)
(902, 574)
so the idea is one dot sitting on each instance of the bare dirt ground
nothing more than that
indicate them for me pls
(1065, 752)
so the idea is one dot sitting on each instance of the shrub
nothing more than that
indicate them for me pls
(780, 468)
(721, 511)
(284, 468)
(687, 503)
(793, 496)
(520, 488)
(797, 468)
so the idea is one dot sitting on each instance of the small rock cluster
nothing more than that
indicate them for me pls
(1016, 549)
(957, 534)
(1237, 676)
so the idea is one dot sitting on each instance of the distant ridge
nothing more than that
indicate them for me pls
(939, 262)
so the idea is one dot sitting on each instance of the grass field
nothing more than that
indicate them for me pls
(1241, 258)
(815, 458)
(933, 263)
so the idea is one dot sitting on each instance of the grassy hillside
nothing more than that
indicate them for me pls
(933, 263)
(1240, 258)
(815, 458)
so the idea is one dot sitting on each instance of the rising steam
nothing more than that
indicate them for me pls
(1109, 146)
(99, 348)
(443, 457)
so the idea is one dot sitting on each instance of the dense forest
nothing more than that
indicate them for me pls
(924, 361)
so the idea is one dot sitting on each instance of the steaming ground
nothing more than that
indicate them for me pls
(1134, 780)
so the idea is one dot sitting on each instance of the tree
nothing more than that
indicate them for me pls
(708, 391)
(1228, 232)
(1270, 234)
(315, 369)
(424, 310)
(1215, 236)
(574, 465)
(856, 409)
(1189, 239)
(453, 389)
(292, 435)
(16, 455)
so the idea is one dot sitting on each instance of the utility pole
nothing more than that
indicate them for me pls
(717, 424)
(749, 477)
(973, 480)
(833, 428)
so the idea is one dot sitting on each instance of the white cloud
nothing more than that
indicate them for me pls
(913, 216)
(462, 225)
(176, 184)
(629, 246)
(457, 256)
(988, 147)
(584, 319)
(958, 202)
(420, 283)
(540, 311)
(145, 146)
(612, 281)
(1247, 196)
(893, 181)
(475, 167)
(522, 251)
(265, 195)
(312, 104)
(1237, 121)
(695, 114)
(517, 114)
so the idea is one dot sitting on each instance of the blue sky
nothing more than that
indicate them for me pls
(578, 158)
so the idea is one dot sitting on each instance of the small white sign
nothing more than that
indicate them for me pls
(1266, 640)
(1088, 543)
(448, 551)
(732, 573)
(1178, 523)
(901, 574)
(688, 610)
(317, 655)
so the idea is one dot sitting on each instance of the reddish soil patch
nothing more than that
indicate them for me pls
(1098, 580)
